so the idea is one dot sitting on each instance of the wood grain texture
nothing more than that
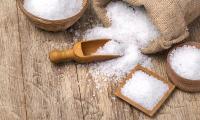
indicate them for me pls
(31, 88)
(51, 91)
(12, 102)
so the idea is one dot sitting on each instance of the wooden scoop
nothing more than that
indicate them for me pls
(82, 52)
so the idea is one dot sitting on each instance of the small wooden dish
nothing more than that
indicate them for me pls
(53, 25)
(183, 83)
(135, 104)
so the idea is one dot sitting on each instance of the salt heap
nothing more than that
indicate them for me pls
(53, 9)
(131, 29)
(185, 61)
(144, 89)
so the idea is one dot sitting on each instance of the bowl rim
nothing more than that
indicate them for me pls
(30, 15)
(185, 80)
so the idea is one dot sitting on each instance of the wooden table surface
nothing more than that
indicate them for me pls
(31, 88)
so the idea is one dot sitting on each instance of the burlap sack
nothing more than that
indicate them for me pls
(171, 18)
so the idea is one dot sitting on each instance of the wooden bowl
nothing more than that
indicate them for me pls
(53, 25)
(183, 83)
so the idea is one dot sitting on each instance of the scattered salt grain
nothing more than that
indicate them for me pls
(185, 61)
(131, 30)
(53, 9)
(144, 89)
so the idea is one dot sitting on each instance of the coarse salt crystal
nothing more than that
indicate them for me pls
(53, 9)
(185, 61)
(144, 89)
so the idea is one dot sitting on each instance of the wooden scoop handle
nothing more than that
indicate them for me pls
(58, 56)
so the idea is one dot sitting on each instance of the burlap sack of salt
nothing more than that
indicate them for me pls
(171, 18)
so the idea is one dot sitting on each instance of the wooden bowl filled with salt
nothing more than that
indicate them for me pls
(53, 15)
(183, 66)
(145, 90)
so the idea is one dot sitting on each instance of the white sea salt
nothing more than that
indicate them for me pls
(112, 48)
(53, 9)
(130, 31)
(144, 89)
(185, 61)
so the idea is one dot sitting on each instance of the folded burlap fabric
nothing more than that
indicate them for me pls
(171, 18)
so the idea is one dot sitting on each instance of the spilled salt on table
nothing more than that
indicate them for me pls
(53, 9)
(185, 61)
(144, 89)
(132, 30)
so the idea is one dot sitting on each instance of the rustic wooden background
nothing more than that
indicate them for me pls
(34, 89)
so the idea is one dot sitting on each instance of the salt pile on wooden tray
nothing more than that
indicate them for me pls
(53, 9)
(144, 89)
(131, 29)
(185, 61)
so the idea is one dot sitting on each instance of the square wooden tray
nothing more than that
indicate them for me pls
(135, 104)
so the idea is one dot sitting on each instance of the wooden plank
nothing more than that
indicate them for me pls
(12, 102)
(58, 92)
(52, 92)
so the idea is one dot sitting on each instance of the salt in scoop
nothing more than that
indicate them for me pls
(82, 52)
